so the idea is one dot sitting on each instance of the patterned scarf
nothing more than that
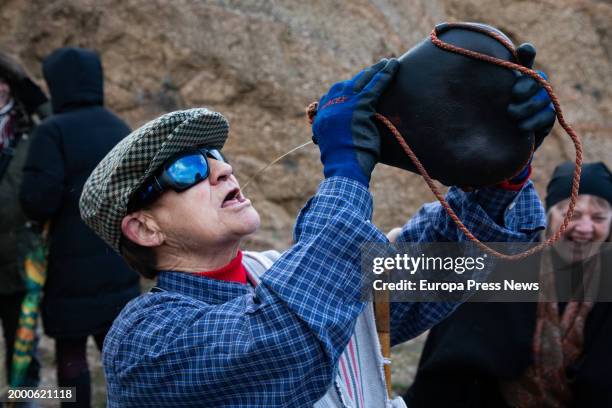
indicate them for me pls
(557, 342)
(6, 125)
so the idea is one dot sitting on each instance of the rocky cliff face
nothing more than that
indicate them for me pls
(261, 62)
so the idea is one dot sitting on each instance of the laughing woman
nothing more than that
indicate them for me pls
(547, 354)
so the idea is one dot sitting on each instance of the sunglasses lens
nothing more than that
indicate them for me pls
(215, 154)
(188, 170)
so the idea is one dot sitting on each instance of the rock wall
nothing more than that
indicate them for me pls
(261, 62)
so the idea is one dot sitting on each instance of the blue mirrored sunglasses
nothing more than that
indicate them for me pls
(179, 173)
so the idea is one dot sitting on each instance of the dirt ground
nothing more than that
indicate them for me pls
(404, 362)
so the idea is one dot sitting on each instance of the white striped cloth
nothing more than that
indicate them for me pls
(6, 133)
(360, 381)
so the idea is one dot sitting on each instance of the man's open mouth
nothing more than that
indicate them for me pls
(232, 198)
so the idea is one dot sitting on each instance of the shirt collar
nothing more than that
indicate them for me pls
(211, 290)
(234, 271)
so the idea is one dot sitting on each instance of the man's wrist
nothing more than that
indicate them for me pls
(343, 171)
(517, 182)
(348, 169)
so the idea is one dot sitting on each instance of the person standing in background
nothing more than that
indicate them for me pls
(87, 283)
(20, 101)
(537, 354)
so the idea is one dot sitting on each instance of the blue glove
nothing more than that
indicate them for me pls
(532, 108)
(531, 105)
(343, 127)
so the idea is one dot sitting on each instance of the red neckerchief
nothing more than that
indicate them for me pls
(232, 272)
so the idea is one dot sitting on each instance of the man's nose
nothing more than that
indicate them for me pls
(219, 171)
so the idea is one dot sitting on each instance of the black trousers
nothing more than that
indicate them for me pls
(72, 368)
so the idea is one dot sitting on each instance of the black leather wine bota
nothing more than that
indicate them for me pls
(451, 110)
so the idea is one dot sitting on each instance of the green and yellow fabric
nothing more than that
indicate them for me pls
(35, 265)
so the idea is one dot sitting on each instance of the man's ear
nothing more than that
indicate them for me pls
(142, 229)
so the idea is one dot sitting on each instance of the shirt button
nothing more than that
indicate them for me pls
(511, 206)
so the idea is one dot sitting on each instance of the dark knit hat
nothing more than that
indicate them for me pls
(595, 179)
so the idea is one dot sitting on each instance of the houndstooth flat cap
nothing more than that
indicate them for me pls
(106, 193)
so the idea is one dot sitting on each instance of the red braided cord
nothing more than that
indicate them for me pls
(312, 111)
(573, 135)
(509, 46)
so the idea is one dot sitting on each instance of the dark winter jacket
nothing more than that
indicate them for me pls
(87, 283)
(15, 237)
(13, 231)
(480, 344)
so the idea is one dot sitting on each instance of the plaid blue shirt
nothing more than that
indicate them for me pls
(491, 214)
(212, 343)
